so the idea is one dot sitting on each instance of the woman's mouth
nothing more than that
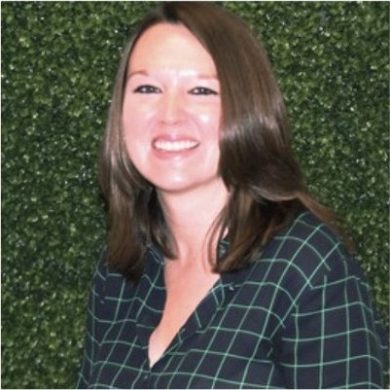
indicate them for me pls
(174, 145)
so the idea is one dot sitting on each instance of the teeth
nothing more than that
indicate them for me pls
(175, 146)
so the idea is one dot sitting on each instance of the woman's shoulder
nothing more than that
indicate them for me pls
(310, 250)
(108, 283)
(308, 230)
(112, 285)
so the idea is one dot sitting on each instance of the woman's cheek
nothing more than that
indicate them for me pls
(137, 116)
(209, 119)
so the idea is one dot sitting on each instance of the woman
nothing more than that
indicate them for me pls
(220, 269)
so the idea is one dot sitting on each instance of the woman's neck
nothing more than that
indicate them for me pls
(190, 217)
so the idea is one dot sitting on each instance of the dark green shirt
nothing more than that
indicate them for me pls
(299, 316)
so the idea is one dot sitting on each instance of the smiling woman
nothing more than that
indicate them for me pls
(221, 270)
(172, 111)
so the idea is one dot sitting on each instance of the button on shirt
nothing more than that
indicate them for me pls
(299, 316)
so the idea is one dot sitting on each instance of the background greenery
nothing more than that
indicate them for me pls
(58, 64)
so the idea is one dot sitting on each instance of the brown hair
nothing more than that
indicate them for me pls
(257, 165)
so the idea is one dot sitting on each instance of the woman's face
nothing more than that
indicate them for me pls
(172, 110)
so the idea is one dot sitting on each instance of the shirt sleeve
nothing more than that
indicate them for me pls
(95, 324)
(331, 338)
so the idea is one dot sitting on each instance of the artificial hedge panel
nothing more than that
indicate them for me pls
(58, 64)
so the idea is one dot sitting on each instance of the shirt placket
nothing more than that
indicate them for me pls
(200, 319)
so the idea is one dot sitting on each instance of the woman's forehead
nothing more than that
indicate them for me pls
(170, 47)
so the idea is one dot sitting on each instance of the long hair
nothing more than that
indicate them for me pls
(265, 184)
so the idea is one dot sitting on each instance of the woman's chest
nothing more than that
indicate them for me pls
(226, 342)
(185, 292)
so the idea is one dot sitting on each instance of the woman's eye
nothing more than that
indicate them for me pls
(147, 89)
(202, 91)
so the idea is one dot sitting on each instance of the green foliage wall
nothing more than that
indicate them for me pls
(58, 66)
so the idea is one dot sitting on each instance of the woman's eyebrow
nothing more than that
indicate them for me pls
(137, 72)
(144, 72)
(212, 77)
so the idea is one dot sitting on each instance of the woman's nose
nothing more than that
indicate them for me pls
(171, 110)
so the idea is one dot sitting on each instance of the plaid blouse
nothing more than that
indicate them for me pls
(300, 316)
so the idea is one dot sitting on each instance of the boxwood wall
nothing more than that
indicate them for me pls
(58, 65)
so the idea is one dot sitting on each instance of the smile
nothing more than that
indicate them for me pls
(174, 146)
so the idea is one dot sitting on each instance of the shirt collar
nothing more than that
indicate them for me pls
(229, 281)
